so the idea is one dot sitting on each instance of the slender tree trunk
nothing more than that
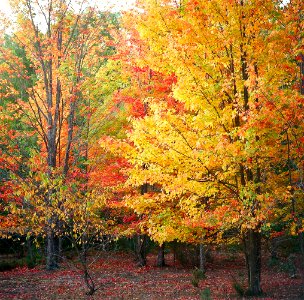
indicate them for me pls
(141, 239)
(202, 258)
(83, 255)
(253, 261)
(161, 256)
(51, 259)
(29, 250)
(141, 250)
(301, 242)
(301, 234)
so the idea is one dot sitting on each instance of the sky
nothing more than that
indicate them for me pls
(118, 4)
(4, 5)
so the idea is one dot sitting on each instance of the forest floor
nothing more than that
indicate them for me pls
(117, 277)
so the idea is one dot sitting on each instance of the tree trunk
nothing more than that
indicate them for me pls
(301, 242)
(141, 250)
(29, 250)
(86, 275)
(51, 259)
(141, 239)
(202, 258)
(253, 261)
(301, 234)
(161, 256)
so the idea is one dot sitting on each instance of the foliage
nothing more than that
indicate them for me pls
(239, 285)
(189, 129)
(206, 294)
(197, 275)
(226, 158)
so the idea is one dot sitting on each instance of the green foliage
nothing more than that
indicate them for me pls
(239, 285)
(10, 264)
(33, 258)
(197, 275)
(195, 282)
(239, 288)
(286, 265)
(206, 294)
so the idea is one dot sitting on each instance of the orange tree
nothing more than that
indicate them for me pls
(166, 223)
(216, 160)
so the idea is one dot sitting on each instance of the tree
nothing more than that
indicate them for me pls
(214, 161)
(65, 47)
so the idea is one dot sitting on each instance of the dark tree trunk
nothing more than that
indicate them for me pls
(274, 249)
(253, 262)
(301, 242)
(83, 255)
(89, 283)
(301, 234)
(141, 239)
(161, 256)
(51, 258)
(60, 249)
(202, 258)
(302, 74)
(141, 250)
(29, 249)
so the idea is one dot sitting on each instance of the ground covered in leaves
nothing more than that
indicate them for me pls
(117, 277)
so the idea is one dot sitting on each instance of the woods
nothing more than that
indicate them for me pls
(171, 123)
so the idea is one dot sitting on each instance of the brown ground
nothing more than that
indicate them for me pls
(118, 277)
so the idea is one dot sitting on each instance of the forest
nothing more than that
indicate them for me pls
(154, 152)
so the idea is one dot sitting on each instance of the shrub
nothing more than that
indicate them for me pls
(206, 294)
(197, 275)
(239, 285)
(8, 265)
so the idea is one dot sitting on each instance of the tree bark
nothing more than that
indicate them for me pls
(253, 262)
(83, 255)
(202, 258)
(141, 250)
(51, 259)
(301, 234)
(29, 250)
(161, 256)
(301, 242)
(141, 239)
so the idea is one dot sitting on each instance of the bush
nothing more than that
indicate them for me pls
(239, 288)
(286, 265)
(239, 285)
(8, 265)
(197, 274)
(206, 294)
